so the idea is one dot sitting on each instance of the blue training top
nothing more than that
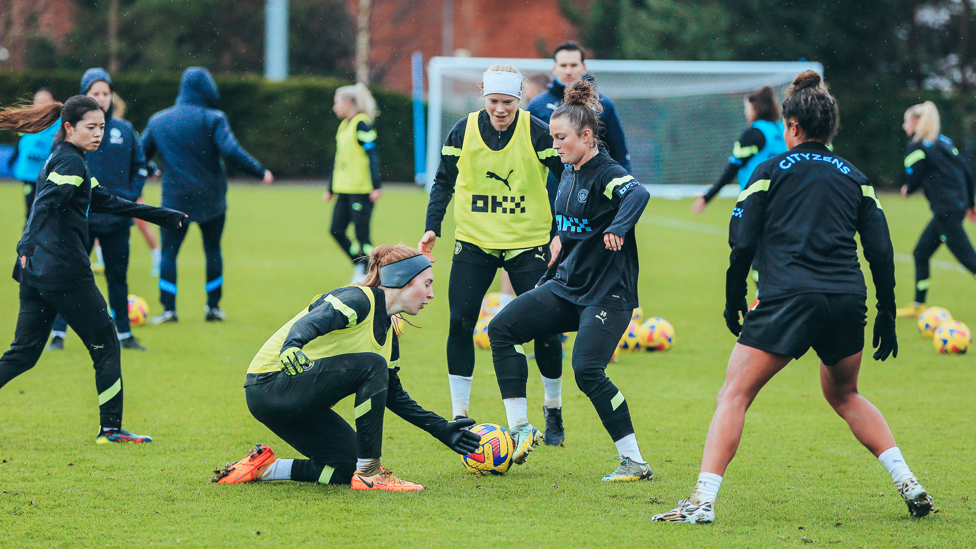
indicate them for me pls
(775, 144)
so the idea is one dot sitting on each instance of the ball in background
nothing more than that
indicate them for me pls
(491, 304)
(659, 335)
(138, 310)
(634, 338)
(930, 320)
(953, 337)
(481, 332)
(494, 457)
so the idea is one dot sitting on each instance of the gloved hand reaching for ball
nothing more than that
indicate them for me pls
(456, 436)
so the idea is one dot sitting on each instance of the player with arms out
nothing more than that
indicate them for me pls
(801, 210)
(341, 344)
(356, 177)
(591, 287)
(934, 165)
(762, 140)
(496, 160)
(53, 268)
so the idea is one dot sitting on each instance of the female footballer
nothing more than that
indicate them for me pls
(590, 288)
(496, 160)
(356, 177)
(813, 295)
(120, 167)
(53, 268)
(934, 165)
(341, 344)
(762, 140)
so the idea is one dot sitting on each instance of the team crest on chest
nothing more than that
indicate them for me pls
(115, 136)
(582, 196)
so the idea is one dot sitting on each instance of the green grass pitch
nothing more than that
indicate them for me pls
(800, 479)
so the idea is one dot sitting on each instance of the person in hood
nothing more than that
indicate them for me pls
(120, 167)
(52, 265)
(191, 139)
(32, 150)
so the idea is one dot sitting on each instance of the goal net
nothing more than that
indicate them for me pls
(680, 118)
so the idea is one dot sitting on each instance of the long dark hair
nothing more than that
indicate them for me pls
(763, 103)
(811, 106)
(30, 119)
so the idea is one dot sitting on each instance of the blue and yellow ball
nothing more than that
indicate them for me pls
(634, 338)
(953, 338)
(930, 320)
(481, 332)
(659, 335)
(138, 310)
(494, 457)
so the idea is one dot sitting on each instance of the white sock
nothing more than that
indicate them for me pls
(627, 447)
(554, 391)
(279, 470)
(56, 333)
(124, 335)
(368, 466)
(517, 410)
(706, 489)
(156, 254)
(895, 463)
(460, 394)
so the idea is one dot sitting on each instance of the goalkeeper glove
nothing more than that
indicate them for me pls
(293, 361)
(456, 436)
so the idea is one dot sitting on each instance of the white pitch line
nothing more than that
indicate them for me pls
(705, 228)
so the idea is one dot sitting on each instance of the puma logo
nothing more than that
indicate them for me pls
(493, 175)
(552, 106)
(602, 317)
(541, 256)
(97, 347)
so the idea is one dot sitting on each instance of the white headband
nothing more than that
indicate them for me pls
(507, 83)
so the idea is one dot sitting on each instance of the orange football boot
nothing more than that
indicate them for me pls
(248, 469)
(384, 480)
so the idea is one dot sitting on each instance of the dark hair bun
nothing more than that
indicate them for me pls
(583, 92)
(806, 79)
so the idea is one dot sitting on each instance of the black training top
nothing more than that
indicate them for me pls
(749, 144)
(447, 172)
(600, 197)
(802, 209)
(55, 240)
(323, 318)
(937, 167)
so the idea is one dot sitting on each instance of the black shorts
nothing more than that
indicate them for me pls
(833, 324)
(513, 261)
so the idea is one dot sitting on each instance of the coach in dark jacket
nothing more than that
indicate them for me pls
(192, 138)
(119, 165)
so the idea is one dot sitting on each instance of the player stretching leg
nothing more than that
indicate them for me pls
(341, 344)
(590, 287)
(933, 163)
(497, 160)
(814, 294)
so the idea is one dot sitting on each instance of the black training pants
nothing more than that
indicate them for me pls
(540, 312)
(357, 209)
(466, 289)
(86, 313)
(943, 228)
(299, 410)
(211, 230)
(115, 252)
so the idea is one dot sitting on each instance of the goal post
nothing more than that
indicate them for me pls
(680, 118)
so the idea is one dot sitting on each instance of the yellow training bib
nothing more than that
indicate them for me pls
(357, 338)
(501, 200)
(351, 173)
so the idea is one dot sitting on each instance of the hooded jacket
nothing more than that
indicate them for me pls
(192, 138)
(119, 163)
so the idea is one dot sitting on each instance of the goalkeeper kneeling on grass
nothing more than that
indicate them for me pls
(341, 344)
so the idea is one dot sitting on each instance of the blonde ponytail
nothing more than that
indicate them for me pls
(361, 98)
(927, 123)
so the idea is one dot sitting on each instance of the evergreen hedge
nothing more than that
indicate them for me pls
(288, 126)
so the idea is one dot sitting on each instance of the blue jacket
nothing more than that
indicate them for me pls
(543, 105)
(119, 163)
(32, 150)
(192, 138)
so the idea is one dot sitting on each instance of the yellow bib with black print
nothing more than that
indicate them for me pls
(501, 200)
(351, 173)
(356, 338)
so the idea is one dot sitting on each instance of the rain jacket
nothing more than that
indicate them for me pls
(192, 138)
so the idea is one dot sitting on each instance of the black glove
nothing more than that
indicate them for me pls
(731, 315)
(456, 436)
(293, 361)
(885, 337)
